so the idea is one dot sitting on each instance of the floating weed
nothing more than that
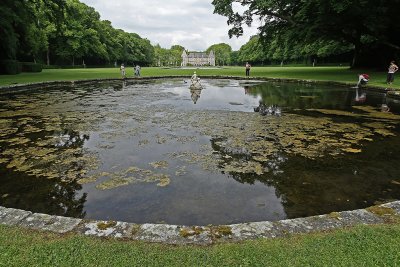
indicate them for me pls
(351, 150)
(163, 179)
(395, 182)
(130, 175)
(244, 167)
(45, 138)
(181, 171)
(159, 164)
(144, 142)
(4, 160)
(114, 182)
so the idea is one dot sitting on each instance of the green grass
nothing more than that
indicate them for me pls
(342, 74)
(360, 246)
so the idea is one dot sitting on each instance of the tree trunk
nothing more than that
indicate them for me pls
(355, 58)
(48, 56)
(73, 61)
(357, 48)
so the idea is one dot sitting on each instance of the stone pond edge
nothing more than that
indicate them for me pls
(200, 235)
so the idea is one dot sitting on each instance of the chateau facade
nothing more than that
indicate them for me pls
(198, 59)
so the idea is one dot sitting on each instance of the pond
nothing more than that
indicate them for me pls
(159, 151)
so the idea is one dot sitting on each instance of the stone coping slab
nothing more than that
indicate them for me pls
(199, 235)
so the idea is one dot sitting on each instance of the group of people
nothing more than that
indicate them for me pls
(136, 71)
(362, 78)
(392, 69)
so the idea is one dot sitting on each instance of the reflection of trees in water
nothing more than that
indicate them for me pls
(309, 187)
(57, 196)
(70, 139)
(302, 97)
(41, 195)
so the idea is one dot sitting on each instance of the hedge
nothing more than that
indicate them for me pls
(10, 67)
(31, 67)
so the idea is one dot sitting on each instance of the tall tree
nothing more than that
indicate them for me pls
(21, 31)
(222, 53)
(80, 32)
(361, 23)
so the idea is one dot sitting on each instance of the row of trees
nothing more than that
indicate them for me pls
(68, 32)
(297, 28)
(65, 32)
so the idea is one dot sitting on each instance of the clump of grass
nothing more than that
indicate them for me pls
(220, 231)
(186, 232)
(381, 211)
(334, 215)
(135, 229)
(106, 225)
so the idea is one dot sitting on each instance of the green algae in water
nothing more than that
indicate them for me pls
(58, 150)
(106, 139)
(159, 164)
(131, 175)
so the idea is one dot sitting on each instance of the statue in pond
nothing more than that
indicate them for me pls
(195, 87)
(265, 110)
(195, 81)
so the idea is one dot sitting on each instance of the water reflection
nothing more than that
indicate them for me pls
(264, 110)
(360, 97)
(19, 190)
(381, 101)
(195, 92)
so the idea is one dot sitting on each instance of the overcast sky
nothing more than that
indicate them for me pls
(190, 23)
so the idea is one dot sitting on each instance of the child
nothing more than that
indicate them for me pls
(362, 79)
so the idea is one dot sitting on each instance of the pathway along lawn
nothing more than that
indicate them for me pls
(360, 246)
(339, 74)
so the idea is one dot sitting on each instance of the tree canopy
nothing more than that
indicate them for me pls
(362, 25)
(222, 53)
(66, 32)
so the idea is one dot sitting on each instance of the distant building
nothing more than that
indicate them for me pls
(198, 59)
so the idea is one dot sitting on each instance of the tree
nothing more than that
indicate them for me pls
(80, 33)
(65, 31)
(176, 54)
(21, 30)
(222, 53)
(252, 51)
(362, 23)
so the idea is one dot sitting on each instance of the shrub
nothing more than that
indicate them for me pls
(10, 66)
(47, 67)
(31, 67)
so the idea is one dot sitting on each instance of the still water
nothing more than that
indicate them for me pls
(163, 152)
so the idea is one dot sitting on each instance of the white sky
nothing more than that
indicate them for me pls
(189, 23)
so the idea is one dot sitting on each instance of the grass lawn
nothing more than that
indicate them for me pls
(342, 74)
(360, 246)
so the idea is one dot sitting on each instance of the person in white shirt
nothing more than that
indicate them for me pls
(122, 68)
(391, 70)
